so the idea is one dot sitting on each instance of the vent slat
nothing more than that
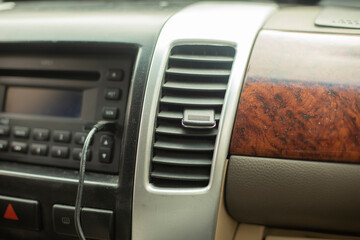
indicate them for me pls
(185, 145)
(207, 50)
(202, 58)
(178, 115)
(177, 130)
(201, 72)
(164, 173)
(196, 79)
(196, 86)
(192, 101)
(181, 161)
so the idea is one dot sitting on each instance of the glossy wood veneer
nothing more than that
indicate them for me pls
(301, 98)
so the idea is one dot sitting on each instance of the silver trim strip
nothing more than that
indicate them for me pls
(57, 179)
(178, 214)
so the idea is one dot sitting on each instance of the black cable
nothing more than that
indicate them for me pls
(101, 125)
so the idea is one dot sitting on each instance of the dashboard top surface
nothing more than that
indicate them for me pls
(149, 30)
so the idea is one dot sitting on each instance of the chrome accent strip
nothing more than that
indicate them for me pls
(58, 179)
(178, 214)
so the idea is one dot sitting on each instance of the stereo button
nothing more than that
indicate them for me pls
(110, 113)
(21, 132)
(41, 134)
(112, 94)
(4, 131)
(62, 136)
(96, 223)
(19, 147)
(39, 149)
(3, 145)
(115, 75)
(105, 155)
(60, 152)
(77, 154)
(106, 141)
(79, 138)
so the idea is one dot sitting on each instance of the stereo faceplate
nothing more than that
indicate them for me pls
(36, 124)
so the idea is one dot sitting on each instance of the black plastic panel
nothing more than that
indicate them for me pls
(49, 186)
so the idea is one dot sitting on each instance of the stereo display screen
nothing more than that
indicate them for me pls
(42, 101)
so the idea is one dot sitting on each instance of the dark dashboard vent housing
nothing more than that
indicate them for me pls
(196, 78)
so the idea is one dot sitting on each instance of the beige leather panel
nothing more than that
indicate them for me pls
(226, 226)
(296, 234)
(294, 194)
(249, 232)
(291, 238)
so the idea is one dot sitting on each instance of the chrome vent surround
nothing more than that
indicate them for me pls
(196, 77)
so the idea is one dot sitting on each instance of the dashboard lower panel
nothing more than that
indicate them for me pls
(318, 196)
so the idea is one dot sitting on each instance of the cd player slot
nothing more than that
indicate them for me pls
(51, 74)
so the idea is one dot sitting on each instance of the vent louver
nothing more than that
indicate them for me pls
(196, 78)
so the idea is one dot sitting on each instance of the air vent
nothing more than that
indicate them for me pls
(196, 80)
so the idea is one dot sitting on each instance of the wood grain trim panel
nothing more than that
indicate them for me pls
(301, 98)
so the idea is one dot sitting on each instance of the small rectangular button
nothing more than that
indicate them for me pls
(106, 141)
(105, 155)
(112, 94)
(110, 113)
(19, 213)
(60, 152)
(79, 138)
(77, 154)
(39, 149)
(62, 136)
(41, 134)
(115, 75)
(19, 147)
(63, 220)
(4, 131)
(96, 223)
(21, 132)
(4, 145)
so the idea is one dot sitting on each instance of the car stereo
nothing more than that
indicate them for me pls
(49, 100)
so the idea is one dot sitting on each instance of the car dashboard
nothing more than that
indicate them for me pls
(229, 120)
